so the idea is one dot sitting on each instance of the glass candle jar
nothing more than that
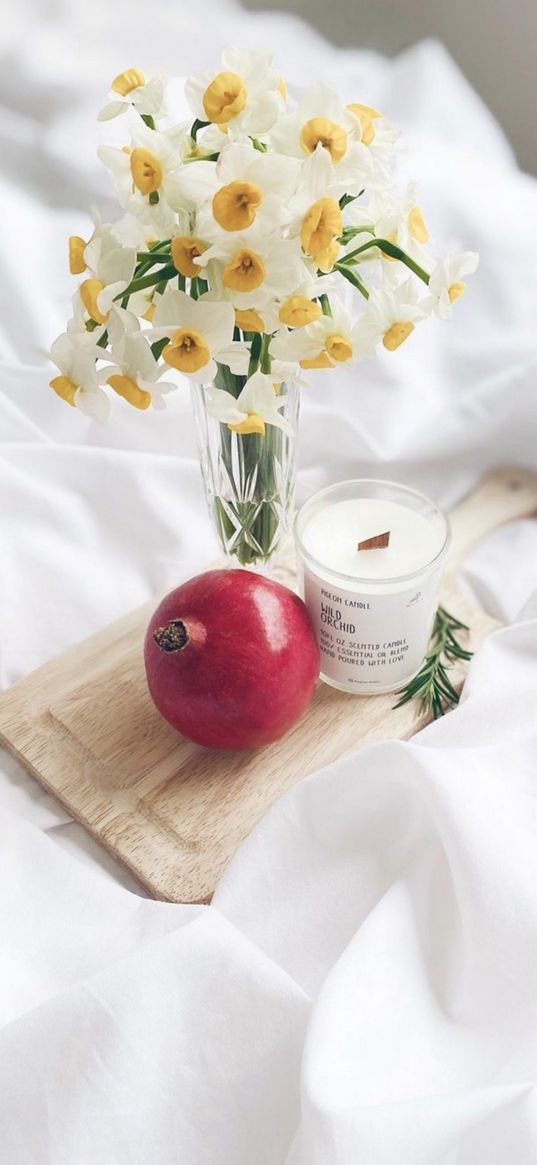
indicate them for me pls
(372, 609)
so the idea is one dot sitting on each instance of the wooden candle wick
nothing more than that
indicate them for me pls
(379, 542)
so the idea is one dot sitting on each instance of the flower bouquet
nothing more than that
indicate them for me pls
(261, 237)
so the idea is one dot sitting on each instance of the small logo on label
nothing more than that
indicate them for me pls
(415, 599)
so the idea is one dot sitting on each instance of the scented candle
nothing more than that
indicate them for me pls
(370, 556)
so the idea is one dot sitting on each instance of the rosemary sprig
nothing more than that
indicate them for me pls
(432, 687)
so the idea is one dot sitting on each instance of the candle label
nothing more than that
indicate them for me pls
(371, 640)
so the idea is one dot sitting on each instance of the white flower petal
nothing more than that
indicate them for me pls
(114, 109)
(93, 403)
(223, 407)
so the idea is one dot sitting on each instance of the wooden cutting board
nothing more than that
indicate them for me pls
(175, 813)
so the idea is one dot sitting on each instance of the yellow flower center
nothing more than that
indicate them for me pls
(396, 335)
(146, 170)
(249, 320)
(322, 223)
(339, 348)
(90, 289)
(282, 89)
(188, 351)
(455, 291)
(130, 391)
(252, 424)
(149, 312)
(64, 388)
(417, 225)
(224, 98)
(184, 250)
(130, 79)
(297, 311)
(234, 206)
(325, 259)
(321, 361)
(245, 272)
(331, 135)
(366, 116)
(77, 247)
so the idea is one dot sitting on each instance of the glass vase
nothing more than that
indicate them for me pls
(249, 480)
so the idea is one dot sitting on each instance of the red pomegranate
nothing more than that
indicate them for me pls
(231, 659)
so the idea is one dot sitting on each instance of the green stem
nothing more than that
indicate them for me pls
(248, 514)
(202, 158)
(264, 359)
(390, 249)
(325, 305)
(349, 233)
(152, 257)
(196, 126)
(353, 278)
(163, 275)
(150, 121)
(255, 353)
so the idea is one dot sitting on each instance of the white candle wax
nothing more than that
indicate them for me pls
(332, 536)
(372, 610)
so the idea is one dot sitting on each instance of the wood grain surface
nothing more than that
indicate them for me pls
(175, 813)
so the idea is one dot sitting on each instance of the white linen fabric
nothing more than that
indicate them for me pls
(363, 987)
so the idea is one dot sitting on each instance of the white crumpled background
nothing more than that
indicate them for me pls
(364, 986)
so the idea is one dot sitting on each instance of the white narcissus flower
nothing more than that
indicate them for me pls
(75, 353)
(111, 268)
(256, 406)
(322, 119)
(446, 283)
(148, 169)
(244, 187)
(251, 269)
(316, 211)
(398, 220)
(389, 318)
(135, 374)
(130, 231)
(246, 96)
(199, 330)
(327, 343)
(302, 307)
(131, 90)
(380, 136)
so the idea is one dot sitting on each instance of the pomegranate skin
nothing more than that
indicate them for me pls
(231, 659)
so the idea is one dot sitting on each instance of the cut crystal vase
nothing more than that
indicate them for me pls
(249, 480)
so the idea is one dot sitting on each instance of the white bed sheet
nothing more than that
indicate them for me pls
(363, 987)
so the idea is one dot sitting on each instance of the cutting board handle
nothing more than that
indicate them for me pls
(501, 497)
